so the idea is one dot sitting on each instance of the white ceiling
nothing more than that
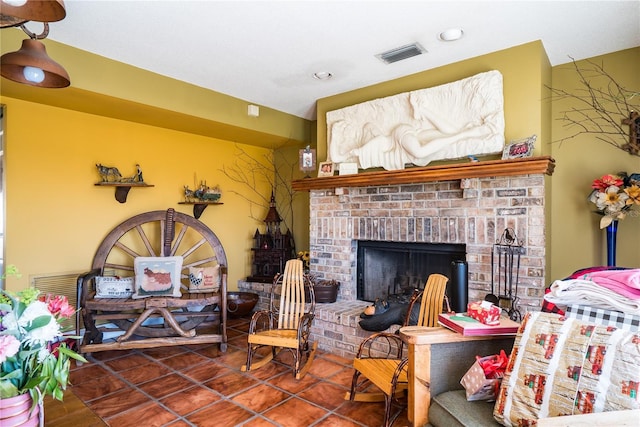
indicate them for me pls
(265, 52)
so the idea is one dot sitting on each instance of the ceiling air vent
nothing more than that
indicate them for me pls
(400, 53)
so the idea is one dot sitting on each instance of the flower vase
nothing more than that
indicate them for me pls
(16, 412)
(612, 231)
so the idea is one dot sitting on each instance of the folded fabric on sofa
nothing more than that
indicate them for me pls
(586, 292)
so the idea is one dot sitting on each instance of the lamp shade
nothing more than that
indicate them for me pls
(13, 12)
(33, 54)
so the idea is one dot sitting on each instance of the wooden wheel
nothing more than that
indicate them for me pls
(161, 233)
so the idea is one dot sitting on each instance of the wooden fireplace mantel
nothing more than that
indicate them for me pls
(525, 166)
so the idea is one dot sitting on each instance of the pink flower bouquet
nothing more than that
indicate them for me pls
(29, 332)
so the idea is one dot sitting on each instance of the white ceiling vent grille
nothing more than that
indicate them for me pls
(400, 53)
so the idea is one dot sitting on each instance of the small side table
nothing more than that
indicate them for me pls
(423, 343)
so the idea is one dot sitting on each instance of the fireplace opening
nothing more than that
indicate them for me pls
(394, 268)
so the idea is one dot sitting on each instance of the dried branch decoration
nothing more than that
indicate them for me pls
(250, 171)
(606, 112)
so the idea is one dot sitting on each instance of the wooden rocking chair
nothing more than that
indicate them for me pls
(387, 370)
(286, 325)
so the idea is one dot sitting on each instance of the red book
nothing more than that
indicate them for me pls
(466, 325)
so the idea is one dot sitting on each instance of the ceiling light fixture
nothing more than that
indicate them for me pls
(451, 34)
(16, 12)
(31, 65)
(322, 75)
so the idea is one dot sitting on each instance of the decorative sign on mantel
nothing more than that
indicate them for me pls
(348, 168)
(450, 121)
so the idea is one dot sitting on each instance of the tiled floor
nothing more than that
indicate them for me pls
(200, 386)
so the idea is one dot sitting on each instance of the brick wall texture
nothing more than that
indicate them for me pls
(473, 211)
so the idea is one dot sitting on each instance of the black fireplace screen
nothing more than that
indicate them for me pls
(390, 268)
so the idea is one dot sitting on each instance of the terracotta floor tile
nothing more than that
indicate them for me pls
(221, 414)
(270, 370)
(87, 373)
(118, 402)
(369, 414)
(231, 383)
(285, 357)
(205, 371)
(338, 359)
(295, 413)
(261, 398)
(149, 415)
(258, 421)
(241, 324)
(184, 360)
(234, 333)
(98, 387)
(323, 368)
(108, 355)
(324, 394)
(167, 385)
(210, 389)
(233, 358)
(402, 419)
(163, 352)
(343, 378)
(239, 341)
(190, 400)
(334, 420)
(127, 362)
(288, 382)
(142, 374)
(210, 351)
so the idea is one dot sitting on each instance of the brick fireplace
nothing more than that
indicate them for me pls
(470, 205)
(471, 211)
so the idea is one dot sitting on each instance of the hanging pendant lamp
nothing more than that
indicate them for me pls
(16, 12)
(32, 66)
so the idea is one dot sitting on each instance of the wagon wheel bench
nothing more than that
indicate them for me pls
(156, 321)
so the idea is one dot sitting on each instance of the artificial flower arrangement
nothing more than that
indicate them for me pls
(33, 356)
(615, 196)
(305, 257)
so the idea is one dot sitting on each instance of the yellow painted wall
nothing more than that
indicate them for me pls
(56, 216)
(113, 89)
(573, 238)
(522, 68)
(577, 240)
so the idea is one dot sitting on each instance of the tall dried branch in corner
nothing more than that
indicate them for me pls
(600, 109)
(251, 171)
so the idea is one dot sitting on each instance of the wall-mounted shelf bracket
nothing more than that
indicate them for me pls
(199, 207)
(122, 189)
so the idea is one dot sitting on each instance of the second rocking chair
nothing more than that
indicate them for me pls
(380, 361)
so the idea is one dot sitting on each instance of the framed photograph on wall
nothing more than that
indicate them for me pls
(519, 148)
(325, 169)
(307, 159)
